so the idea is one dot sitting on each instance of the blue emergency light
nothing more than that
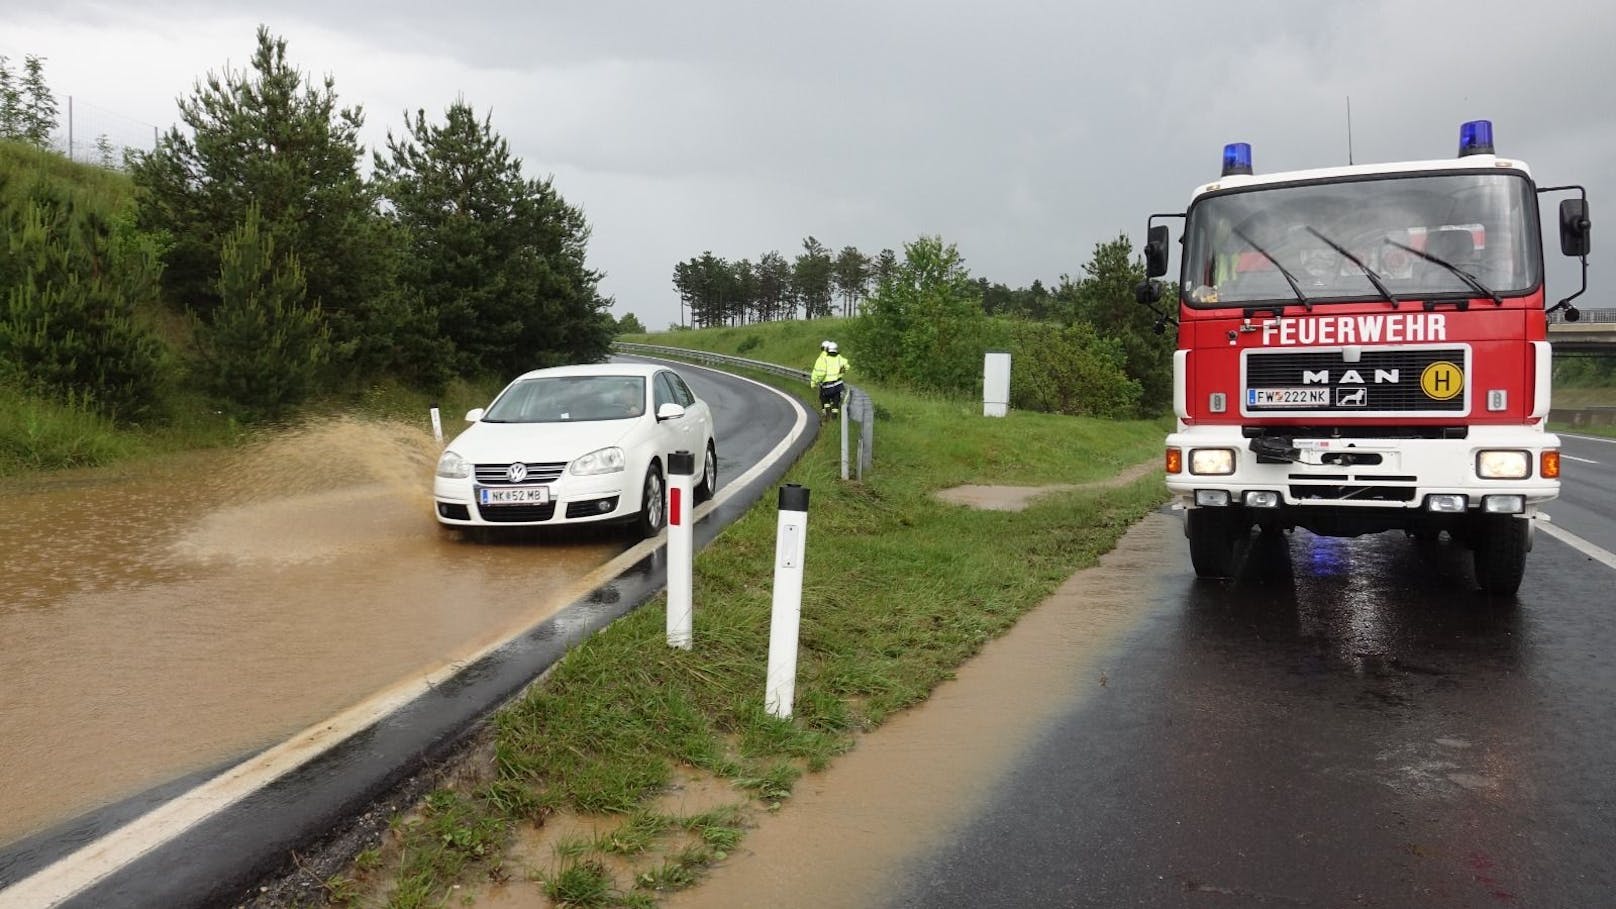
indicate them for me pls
(1476, 138)
(1237, 158)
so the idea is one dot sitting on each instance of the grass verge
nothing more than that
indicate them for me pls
(899, 590)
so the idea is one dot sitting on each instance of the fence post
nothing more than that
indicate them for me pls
(790, 548)
(681, 466)
(437, 425)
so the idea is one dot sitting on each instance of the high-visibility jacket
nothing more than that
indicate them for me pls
(829, 368)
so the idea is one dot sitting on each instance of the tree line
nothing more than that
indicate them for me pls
(253, 260)
(715, 291)
(1084, 346)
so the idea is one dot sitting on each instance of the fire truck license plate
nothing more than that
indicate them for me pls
(1287, 397)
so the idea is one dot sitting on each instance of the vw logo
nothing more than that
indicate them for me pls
(517, 472)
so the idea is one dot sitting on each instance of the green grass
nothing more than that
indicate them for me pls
(899, 590)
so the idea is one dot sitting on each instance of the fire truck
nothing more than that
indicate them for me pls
(1364, 349)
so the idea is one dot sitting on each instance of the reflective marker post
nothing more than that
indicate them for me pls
(437, 425)
(790, 547)
(681, 549)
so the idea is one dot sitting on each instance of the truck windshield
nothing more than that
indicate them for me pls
(1430, 235)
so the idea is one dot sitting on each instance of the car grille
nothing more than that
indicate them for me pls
(537, 472)
(1376, 393)
(517, 514)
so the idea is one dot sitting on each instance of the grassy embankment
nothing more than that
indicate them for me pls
(899, 590)
(38, 433)
(1576, 398)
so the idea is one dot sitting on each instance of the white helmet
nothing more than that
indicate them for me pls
(824, 345)
(830, 348)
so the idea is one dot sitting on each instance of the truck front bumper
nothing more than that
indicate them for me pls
(1359, 485)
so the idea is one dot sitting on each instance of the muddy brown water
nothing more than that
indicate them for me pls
(164, 618)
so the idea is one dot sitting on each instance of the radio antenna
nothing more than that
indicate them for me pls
(1349, 129)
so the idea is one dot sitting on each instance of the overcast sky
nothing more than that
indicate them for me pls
(1023, 132)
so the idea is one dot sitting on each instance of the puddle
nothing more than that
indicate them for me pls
(162, 618)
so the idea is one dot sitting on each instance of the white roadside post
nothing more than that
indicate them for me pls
(437, 425)
(790, 547)
(996, 383)
(681, 549)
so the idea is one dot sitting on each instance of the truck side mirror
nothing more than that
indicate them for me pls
(1575, 227)
(1147, 292)
(1156, 249)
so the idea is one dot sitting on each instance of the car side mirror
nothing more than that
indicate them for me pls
(669, 411)
(475, 414)
(1156, 251)
(1575, 227)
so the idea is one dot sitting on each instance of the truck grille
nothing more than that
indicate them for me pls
(1397, 380)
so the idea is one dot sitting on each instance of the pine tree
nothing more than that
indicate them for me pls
(10, 103)
(262, 346)
(498, 258)
(74, 281)
(38, 118)
(271, 136)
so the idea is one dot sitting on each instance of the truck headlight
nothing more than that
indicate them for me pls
(1503, 465)
(1212, 461)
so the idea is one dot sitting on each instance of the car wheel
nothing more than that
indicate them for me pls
(709, 474)
(653, 504)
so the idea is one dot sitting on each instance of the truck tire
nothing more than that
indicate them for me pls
(1213, 533)
(1500, 543)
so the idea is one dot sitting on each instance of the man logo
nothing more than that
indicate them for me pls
(1351, 397)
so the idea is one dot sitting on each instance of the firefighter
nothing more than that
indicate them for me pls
(829, 372)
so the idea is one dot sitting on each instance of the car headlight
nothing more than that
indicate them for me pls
(1212, 461)
(1503, 465)
(601, 460)
(453, 466)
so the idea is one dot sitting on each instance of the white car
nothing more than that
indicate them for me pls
(576, 444)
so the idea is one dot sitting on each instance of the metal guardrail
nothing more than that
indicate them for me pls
(858, 407)
(1587, 315)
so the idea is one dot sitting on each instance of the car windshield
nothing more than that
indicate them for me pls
(570, 399)
(1386, 238)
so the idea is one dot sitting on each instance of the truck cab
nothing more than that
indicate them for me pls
(1364, 349)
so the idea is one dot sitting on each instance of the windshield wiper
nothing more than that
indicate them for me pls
(1368, 272)
(1463, 275)
(1289, 278)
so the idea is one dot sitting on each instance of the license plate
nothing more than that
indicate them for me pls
(520, 495)
(1287, 397)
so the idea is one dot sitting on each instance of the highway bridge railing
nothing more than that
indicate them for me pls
(1585, 315)
(858, 407)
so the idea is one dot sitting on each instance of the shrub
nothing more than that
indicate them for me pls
(262, 346)
(75, 277)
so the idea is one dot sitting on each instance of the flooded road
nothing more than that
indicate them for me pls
(166, 618)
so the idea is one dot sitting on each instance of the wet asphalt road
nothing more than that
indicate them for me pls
(1346, 724)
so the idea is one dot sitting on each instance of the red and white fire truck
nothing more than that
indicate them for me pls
(1363, 349)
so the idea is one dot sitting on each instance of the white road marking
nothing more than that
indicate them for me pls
(1567, 435)
(1575, 458)
(1598, 554)
(73, 874)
